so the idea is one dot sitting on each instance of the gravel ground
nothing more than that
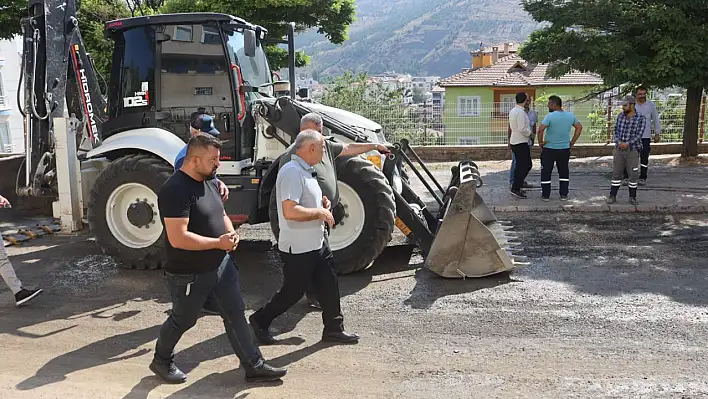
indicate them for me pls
(611, 306)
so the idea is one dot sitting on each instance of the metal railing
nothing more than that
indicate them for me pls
(469, 122)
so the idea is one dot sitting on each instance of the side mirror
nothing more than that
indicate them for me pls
(249, 42)
(303, 92)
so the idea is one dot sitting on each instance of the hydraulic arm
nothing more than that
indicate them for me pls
(59, 76)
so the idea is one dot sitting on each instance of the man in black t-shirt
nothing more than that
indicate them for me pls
(198, 238)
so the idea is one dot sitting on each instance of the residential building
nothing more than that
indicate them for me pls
(12, 137)
(479, 98)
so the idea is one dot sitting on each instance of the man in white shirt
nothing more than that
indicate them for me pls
(648, 110)
(533, 119)
(519, 141)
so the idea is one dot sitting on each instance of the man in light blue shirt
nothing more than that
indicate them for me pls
(554, 139)
(302, 214)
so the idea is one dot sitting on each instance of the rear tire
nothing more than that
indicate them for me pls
(117, 202)
(368, 195)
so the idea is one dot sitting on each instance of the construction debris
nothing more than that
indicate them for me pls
(15, 233)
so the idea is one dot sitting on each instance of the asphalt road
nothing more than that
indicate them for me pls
(611, 306)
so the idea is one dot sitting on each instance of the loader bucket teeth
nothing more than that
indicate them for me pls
(470, 241)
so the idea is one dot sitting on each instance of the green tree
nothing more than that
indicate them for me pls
(381, 104)
(91, 15)
(657, 43)
(332, 17)
(12, 11)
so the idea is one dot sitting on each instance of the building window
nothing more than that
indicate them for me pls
(507, 103)
(183, 33)
(5, 139)
(468, 106)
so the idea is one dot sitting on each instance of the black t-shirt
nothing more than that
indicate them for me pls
(183, 197)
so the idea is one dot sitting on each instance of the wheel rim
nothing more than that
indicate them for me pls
(347, 231)
(131, 204)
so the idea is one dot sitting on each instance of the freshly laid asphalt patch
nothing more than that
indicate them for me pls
(612, 305)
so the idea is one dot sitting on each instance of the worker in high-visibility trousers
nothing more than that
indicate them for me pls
(22, 295)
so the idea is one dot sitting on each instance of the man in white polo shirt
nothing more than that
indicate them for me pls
(302, 214)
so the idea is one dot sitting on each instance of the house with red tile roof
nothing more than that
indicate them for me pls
(478, 99)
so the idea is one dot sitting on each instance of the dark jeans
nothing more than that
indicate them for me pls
(189, 292)
(560, 158)
(643, 160)
(299, 270)
(522, 152)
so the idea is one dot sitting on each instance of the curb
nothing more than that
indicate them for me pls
(616, 208)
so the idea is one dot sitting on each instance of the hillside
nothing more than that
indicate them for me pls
(424, 37)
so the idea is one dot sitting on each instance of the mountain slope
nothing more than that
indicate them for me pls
(422, 37)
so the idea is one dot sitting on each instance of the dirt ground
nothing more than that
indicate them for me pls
(611, 306)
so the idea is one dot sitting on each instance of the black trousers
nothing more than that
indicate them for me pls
(299, 270)
(189, 292)
(522, 152)
(311, 292)
(559, 158)
(643, 160)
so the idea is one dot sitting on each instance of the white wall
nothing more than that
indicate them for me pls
(10, 51)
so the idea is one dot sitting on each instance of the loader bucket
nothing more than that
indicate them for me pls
(470, 241)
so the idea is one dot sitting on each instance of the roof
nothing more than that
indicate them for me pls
(513, 47)
(514, 71)
(174, 19)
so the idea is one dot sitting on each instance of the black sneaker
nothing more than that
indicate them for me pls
(518, 193)
(564, 198)
(264, 372)
(25, 296)
(633, 201)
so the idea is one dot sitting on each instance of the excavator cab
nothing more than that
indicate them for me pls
(167, 69)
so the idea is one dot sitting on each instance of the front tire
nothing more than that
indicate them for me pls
(370, 212)
(123, 214)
